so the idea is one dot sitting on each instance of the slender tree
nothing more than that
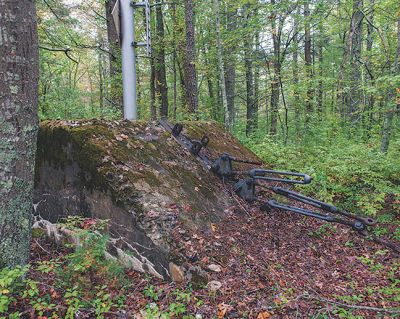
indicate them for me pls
(114, 55)
(370, 98)
(276, 67)
(221, 64)
(161, 78)
(19, 125)
(295, 66)
(190, 60)
(248, 63)
(391, 96)
(230, 64)
(308, 63)
(354, 96)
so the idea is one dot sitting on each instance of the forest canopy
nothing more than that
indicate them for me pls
(291, 69)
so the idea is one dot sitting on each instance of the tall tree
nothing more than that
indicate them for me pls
(114, 55)
(221, 64)
(248, 63)
(230, 64)
(161, 78)
(276, 67)
(308, 62)
(295, 67)
(19, 71)
(391, 95)
(354, 96)
(190, 59)
(370, 98)
(320, 89)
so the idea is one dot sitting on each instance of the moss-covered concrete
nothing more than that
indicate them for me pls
(134, 174)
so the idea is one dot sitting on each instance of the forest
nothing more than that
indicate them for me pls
(306, 85)
(316, 78)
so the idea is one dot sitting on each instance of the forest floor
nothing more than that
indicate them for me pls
(261, 265)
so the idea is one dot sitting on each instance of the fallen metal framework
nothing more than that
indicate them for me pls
(247, 187)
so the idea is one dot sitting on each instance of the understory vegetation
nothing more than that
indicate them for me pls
(80, 281)
(63, 281)
(347, 172)
(344, 170)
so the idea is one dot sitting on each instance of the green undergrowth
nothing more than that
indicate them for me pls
(71, 281)
(353, 175)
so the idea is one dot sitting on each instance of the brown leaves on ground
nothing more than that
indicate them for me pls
(264, 315)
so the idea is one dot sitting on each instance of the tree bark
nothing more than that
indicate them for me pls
(230, 67)
(248, 62)
(174, 59)
(275, 81)
(190, 74)
(296, 95)
(19, 69)
(354, 99)
(161, 78)
(210, 86)
(308, 63)
(320, 93)
(114, 56)
(391, 107)
(153, 109)
(221, 65)
(370, 99)
(256, 81)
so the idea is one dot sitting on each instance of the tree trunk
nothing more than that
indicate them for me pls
(221, 65)
(19, 70)
(248, 62)
(308, 63)
(370, 99)
(210, 86)
(161, 78)
(114, 56)
(391, 107)
(153, 109)
(397, 61)
(190, 60)
(354, 99)
(275, 81)
(230, 68)
(174, 58)
(320, 94)
(256, 82)
(296, 95)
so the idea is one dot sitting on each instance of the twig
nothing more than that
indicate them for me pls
(237, 201)
(41, 247)
(388, 310)
(66, 51)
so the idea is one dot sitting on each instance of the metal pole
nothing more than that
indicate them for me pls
(128, 60)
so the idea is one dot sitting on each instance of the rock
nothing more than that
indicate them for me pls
(133, 175)
(176, 273)
(197, 277)
(215, 268)
(214, 285)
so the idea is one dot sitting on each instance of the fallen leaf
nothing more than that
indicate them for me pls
(223, 309)
(213, 227)
(264, 315)
(187, 208)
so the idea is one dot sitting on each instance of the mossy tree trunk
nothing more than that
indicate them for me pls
(19, 69)
(114, 56)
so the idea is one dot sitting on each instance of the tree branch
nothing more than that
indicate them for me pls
(66, 51)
